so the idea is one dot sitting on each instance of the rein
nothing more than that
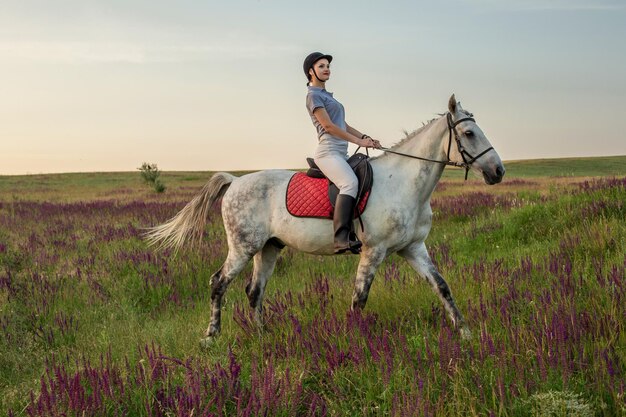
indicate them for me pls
(467, 163)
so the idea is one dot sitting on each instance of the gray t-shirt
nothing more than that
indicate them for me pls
(319, 97)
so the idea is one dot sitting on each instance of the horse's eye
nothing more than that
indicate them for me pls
(469, 133)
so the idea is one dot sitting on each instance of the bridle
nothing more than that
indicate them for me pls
(468, 159)
(464, 154)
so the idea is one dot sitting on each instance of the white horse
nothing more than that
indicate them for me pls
(398, 217)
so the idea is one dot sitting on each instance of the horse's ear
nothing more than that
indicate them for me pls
(452, 104)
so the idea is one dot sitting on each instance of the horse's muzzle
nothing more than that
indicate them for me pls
(494, 176)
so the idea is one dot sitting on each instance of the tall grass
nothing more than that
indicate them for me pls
(95, 323)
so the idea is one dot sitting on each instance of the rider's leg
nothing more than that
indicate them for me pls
(345, 238)
(337, 170)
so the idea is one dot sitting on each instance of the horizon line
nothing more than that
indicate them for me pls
(285, 169)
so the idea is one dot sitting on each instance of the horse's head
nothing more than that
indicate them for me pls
(470, 146)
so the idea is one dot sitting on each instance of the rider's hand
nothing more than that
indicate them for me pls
(371, 143)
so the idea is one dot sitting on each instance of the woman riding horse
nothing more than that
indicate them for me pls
(398, 218)
(333, 134)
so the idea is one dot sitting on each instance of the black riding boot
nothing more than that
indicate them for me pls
(345, 238)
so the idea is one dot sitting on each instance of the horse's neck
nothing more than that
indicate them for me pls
(421, 176)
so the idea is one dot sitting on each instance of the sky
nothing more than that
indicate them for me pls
(91, 86)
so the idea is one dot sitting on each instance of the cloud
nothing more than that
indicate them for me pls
(70, 52)
(546, 5)
(116, 52)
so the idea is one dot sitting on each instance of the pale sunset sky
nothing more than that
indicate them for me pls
(218, 85)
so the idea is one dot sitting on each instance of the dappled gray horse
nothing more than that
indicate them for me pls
(397, 219)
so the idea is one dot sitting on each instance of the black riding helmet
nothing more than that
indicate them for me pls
(311, 59)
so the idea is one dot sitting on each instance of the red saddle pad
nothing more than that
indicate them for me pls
(308, 197)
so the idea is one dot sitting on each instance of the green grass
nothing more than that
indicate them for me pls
(71, 186)
(537, 269)
(559, 167)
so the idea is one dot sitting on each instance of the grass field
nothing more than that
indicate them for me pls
(94, 323)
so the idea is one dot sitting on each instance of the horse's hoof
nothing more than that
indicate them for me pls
(260, 325)
(466, 333)
(207, 342)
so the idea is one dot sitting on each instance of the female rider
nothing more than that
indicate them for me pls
(331, 156)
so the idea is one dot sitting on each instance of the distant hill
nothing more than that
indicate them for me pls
(559, 167)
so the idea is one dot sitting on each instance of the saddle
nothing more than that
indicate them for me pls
(313, 195)
(360, 165)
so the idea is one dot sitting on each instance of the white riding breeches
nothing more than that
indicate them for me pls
(336, 169)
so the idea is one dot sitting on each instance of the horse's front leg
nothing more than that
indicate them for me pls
(371, 258)
(417, 256)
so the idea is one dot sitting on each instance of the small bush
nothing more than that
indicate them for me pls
(150, 174)
(560, 403)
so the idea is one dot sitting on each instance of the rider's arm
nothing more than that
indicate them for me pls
(358, 134)
(332, 129)
(353, 131)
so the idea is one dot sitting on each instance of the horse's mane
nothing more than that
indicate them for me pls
(410, 135)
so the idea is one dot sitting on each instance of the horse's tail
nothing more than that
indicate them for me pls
(189, 223)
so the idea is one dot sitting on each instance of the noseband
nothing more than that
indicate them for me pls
(468, 159)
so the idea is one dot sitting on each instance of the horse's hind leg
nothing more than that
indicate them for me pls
(235, 262)
(264, 262)
(417, 256)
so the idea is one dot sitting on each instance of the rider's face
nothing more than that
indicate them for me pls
(322, 69)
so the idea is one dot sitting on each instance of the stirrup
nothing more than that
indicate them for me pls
(352, 249)
(354, 245)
